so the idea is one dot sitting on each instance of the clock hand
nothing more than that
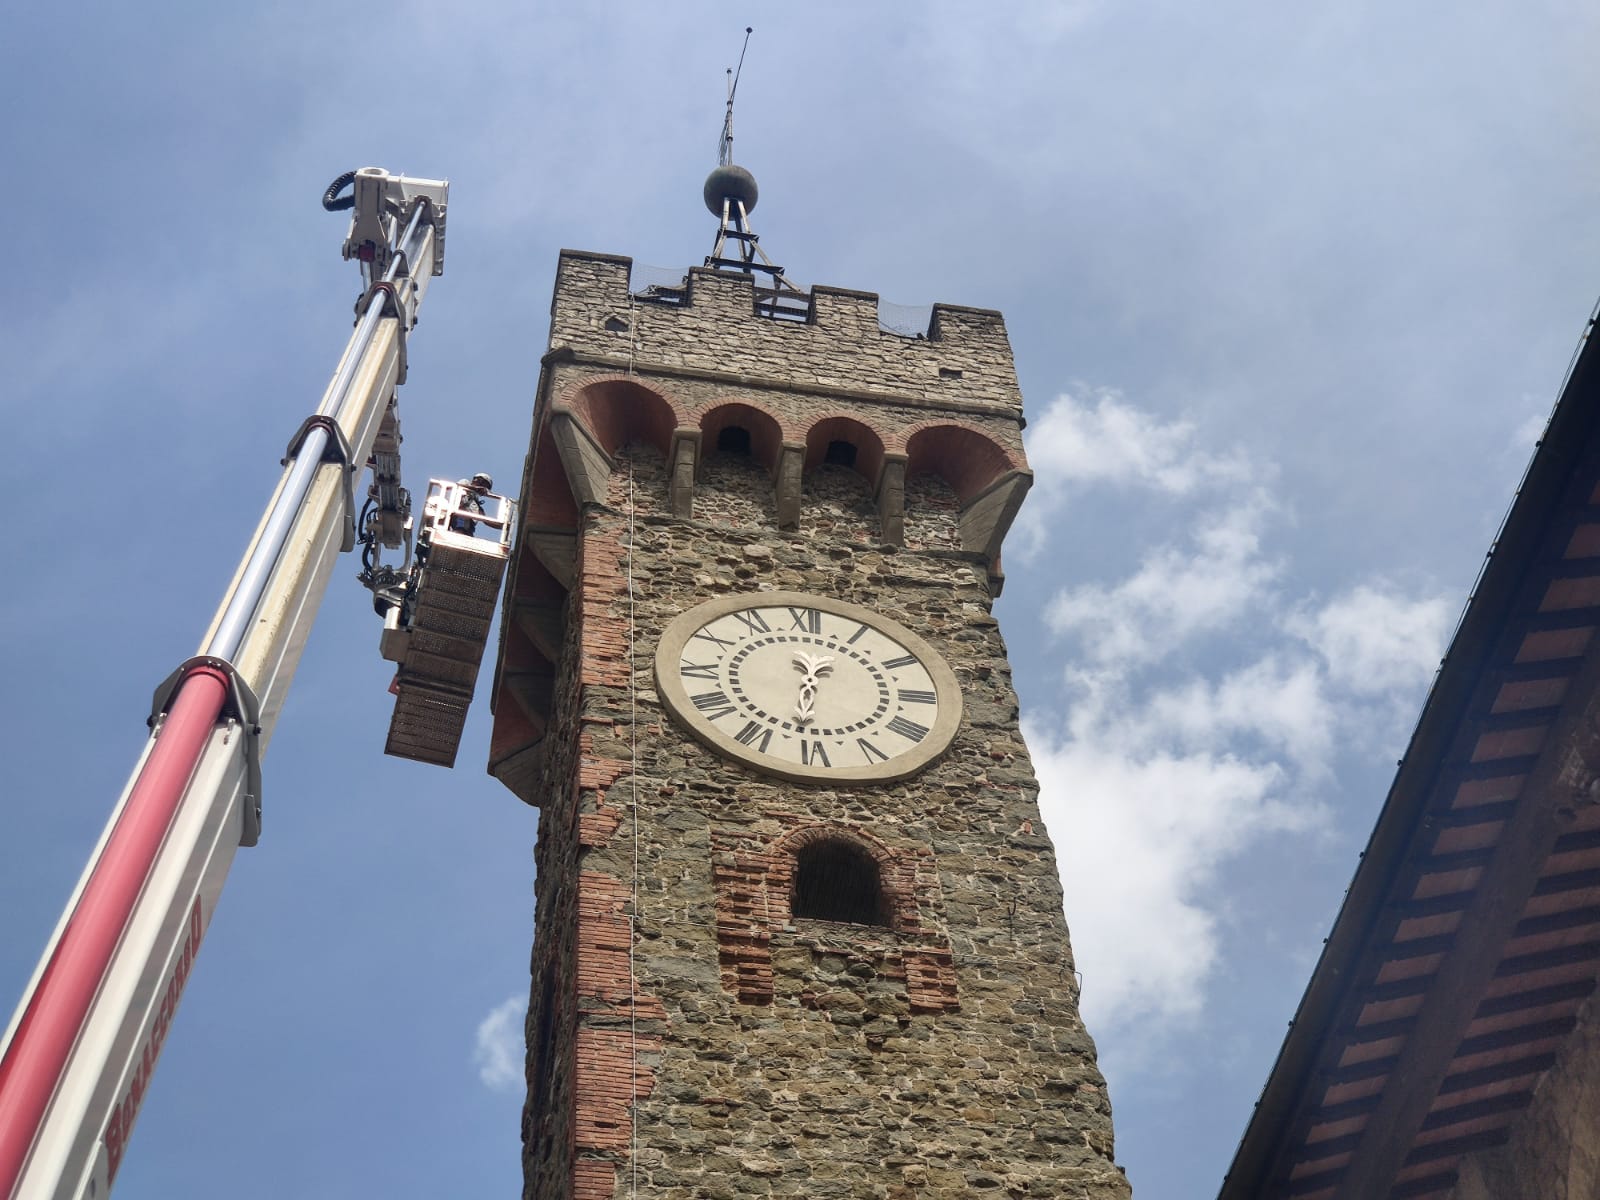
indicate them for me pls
(812, 666)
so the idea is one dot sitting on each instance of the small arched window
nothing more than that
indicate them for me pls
(837, 880)
(733, 439)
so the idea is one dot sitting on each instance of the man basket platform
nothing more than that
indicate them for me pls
(437, 636)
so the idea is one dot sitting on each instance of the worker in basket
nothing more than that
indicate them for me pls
(471, 501)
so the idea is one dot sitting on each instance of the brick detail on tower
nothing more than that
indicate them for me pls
(755, 882)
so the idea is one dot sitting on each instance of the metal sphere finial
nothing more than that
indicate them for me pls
(728, 182)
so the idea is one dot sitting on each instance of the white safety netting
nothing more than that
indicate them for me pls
(645, 279)
(908, 320)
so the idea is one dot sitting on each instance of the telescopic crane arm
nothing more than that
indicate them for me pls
(77, 1056)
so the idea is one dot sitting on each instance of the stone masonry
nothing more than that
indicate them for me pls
(688, 1034)
(1554, 1149)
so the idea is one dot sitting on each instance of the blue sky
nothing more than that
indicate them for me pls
(1290, 290)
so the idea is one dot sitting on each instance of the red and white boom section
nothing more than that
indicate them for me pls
(77, 1056)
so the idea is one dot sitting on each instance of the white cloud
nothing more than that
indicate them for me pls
(1176, 594)
(1142, 838)
(1374, 640)
(1277, 704)
(1208, 710)
(498, 1051)
(1101, 440)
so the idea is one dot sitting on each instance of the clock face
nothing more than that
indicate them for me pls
(808, 688)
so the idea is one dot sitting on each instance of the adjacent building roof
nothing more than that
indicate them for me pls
(1470, 935)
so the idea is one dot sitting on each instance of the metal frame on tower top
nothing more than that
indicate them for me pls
(778, 297)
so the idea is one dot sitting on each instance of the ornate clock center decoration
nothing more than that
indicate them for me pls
(807, 687)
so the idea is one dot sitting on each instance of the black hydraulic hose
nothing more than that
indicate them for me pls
(332, 201)
(369, 544)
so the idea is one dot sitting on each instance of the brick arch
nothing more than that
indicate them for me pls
(784, 421)
(809, 835)
(548, 497)
(895, 877)
(619, 409)
(755, 879)
(967, 460)
(766, 431)
(840, 428)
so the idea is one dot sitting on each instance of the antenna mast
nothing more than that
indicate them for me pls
(730, 193)
(725, 143)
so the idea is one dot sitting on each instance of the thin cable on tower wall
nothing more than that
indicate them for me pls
(633, 805)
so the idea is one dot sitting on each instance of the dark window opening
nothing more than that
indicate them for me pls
(616, 325)
(733, 440)
(840, 454)
(949, 373)
(544, 1043)
(838, 881)
(540, 1114)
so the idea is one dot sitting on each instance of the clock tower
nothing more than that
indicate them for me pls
(799, 926)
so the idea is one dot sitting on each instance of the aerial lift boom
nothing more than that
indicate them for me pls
(76, 1058)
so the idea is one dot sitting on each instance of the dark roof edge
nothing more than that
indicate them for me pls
(1570, 431)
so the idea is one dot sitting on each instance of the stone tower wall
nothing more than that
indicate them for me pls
(688, 1036)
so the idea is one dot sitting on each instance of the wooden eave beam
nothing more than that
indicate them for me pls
(1563, 618)
(1541, 960)
(1505, 1103)
(1456, 1147)
(1575, 991)
(1528, 1067)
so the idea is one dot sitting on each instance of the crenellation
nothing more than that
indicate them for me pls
(846, 313)
(964, 357)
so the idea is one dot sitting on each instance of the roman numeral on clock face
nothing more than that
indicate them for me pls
(871, 751)
(905, 660)
(713, 704)
(813, 755)
(708, 671)
(752, 621)
(909, 729)
(705, 635)
(808, 619)
(755, 732)
(912, 696)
